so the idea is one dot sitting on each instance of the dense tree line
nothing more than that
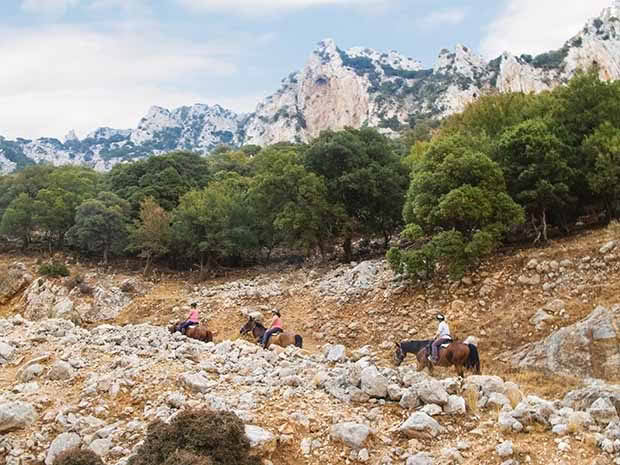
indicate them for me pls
(232, 207)
(509, 166)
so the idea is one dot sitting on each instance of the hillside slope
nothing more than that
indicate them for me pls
(130, 370)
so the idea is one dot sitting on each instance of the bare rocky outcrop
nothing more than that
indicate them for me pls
(13, 279)
(587, 348)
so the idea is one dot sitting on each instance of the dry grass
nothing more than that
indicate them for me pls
(471, 400)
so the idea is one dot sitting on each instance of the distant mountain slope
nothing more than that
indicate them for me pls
(335, 89)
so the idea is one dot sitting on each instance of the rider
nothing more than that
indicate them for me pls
(276, 327)
(441, 337)
(192, 319)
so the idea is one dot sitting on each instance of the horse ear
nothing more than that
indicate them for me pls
(397, 344)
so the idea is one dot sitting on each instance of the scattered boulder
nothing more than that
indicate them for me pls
(421, 458)
(13, 279)
(373, 383)
(262, 442)
(336, 353)
(60, 370)
(63, 442)
(420, 425)
(504, 449)
(16, 415)
(568, 350)
(603, 411)
(6, 352)
(353, 435)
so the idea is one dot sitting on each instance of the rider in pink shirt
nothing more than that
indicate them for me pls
(276, 327)
(192, 319)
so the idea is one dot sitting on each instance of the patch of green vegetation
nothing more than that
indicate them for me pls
(361, 65)
(13, 152)
(550, 60)
(54, 269)
(406, 74)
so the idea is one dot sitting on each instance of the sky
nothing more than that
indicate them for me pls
(83, 64)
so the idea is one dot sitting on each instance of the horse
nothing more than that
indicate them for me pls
(282, 339)
(199, 332)
(456, 353)
(408, 347)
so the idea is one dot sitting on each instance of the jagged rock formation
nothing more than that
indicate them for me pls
(335, 89)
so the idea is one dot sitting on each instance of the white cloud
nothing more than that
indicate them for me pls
(448, 16)
(535, 26)
(63, 77)
(47, 6)
(267, 6)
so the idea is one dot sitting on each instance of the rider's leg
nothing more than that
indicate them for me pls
(266, 336)
(435, 349)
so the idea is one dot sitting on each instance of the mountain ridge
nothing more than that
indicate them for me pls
(336, 88)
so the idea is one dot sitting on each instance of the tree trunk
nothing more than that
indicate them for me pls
(543, 218)
(348, 248)
(145, 272)
(105, 254)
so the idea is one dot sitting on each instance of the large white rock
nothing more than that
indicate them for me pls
(16, 415)
(353, 435)
(262, 442)
(373, 383)
(420, 425)
(63, 442)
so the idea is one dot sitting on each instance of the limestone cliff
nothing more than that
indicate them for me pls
(335, 89)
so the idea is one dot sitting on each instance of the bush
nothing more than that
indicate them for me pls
(54, 269)
(77, 456)
(201, 437)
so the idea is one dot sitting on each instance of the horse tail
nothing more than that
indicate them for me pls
(473, 360)
(298, 341)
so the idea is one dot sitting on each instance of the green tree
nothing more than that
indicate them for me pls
(537, 172)
(215, 222)
(290, 202)
(457, 210)
(164, 177)
(604, 148)
(151, 232)
(101, 225)
(55, 205)
(17, 219)
(364, 178)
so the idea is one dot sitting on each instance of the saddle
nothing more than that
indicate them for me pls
(183, 331)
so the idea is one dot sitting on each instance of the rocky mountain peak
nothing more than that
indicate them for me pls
(70, 136)
(338, 88)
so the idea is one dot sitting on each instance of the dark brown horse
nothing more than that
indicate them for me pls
(456, 353)
(199, 332)
(281, 339)
(408, 347)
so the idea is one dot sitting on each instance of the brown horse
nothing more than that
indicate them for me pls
(281, 339)
(456, 353)
(199, 332)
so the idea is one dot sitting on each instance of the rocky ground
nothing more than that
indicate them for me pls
(88, 361)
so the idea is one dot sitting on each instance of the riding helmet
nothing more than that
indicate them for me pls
(440, 317)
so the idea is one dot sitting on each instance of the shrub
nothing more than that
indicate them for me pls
(201, 437)
(54, 269)
(77, 456)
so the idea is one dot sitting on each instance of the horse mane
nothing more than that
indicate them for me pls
(259, 324)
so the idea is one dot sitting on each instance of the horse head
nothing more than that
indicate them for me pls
(399, 355)
(173, 328)
(249, 326)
